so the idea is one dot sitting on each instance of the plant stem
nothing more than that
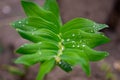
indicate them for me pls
(38, 75)
(61, 48)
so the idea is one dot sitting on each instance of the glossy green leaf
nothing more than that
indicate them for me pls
(40, 55)
(32, 9)
(78, 37)
(28, 60)
(35, 47)
(33, 23)
(75, 57)
(83, 24)
(45, 68)
(52, 5)
(94, 55)
(39, 35)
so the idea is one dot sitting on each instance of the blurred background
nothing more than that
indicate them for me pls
(102, 11)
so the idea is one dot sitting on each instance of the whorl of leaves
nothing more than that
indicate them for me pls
(54, 43)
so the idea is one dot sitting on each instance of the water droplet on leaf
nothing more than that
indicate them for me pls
(83, 45)
(39, 52)
(73, 45)
(19, 22)
(78, 45)
(32, 33)
(73, 41)
(40, 43)
(68, 39)
(92, 31)
(73, 35)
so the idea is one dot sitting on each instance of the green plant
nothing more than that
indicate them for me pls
(57, 44)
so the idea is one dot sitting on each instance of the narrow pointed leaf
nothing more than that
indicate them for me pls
(45, 68)
(32, 9)
(39, 35)
(28, 60)
(34, 47)
(94, 55)
(31, 59)
(75, 57)
(79, 37)
(33, 23)
(83, 24)
(52, 5)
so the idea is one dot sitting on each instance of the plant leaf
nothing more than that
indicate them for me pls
(39, 35)
(40, 55)
(28, 60)
(45, 68)
(52, 5)
(35, 47)
(75, 57)
(33, 23)
(32, 9)
(78, 37)
(94, 55)
(83, 24)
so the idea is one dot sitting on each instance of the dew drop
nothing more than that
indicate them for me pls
(39, 52)
(62, 48)
(73, 45)
(73, 35)
(19, 22)
(40, 43)
(92, 31)
(73, 41)
(78, 45)
(83, 45)
(68, 39)
(32, 33)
